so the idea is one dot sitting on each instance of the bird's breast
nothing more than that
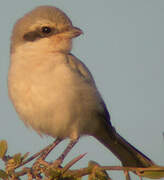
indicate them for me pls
(52, 98)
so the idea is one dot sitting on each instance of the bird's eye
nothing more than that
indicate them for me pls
(46, 30)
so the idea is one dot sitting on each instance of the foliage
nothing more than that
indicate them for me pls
(41, 169)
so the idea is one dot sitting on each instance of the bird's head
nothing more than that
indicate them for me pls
(46, 25)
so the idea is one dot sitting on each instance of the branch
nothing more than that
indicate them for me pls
(41, 169)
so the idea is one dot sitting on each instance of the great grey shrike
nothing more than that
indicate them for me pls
(53, 91)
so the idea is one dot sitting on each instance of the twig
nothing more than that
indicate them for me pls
(140, 177)
(23, 172)
(36, 155)
(127, 175)
(72, 162)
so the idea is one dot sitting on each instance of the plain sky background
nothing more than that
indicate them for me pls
(123, 46)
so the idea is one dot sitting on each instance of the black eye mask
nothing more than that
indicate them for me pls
(32, 36)
(40, 33)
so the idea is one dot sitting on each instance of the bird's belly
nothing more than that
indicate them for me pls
(54, 103)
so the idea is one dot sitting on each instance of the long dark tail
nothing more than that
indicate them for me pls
(124, 151)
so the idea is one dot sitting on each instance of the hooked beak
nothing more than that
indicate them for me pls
(72, 32)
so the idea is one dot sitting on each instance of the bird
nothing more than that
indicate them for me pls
(53, 92)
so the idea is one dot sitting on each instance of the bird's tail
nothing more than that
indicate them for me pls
(124, 151)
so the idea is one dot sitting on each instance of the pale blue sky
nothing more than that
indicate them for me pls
(123, 46)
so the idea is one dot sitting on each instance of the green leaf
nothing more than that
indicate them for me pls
(17, 158)
(52, 173)
(153, 172)
(25, 156)
(3, 174)
(3, 148)
(97, 173)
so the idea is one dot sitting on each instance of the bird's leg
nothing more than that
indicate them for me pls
(49, 149)
(60, 159)
(44, 152)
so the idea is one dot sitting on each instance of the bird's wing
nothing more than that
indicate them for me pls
(79, 66)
